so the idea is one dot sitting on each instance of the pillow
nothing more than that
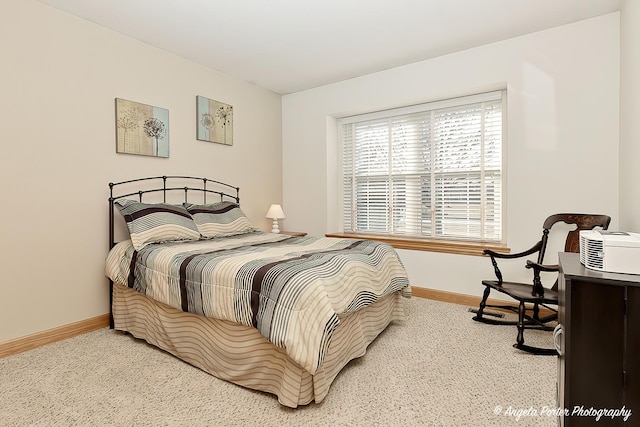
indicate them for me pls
(160, 222)
(220, 219)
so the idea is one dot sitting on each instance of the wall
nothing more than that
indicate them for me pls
(59, 78)
(562, 136)
(629, 113)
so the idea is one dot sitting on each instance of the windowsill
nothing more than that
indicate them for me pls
(446, 246)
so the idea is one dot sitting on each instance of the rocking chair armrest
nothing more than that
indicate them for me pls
(542, 267)
(495, 255)
(538, 289)
(535, 248)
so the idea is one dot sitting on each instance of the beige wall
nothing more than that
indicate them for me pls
(562, 136)
(630, 115)
(59, 76)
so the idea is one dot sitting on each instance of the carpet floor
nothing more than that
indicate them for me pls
(439, 368)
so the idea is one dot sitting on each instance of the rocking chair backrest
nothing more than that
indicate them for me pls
(581, 221)
(572, 244)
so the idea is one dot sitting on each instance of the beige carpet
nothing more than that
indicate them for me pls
(439, 368)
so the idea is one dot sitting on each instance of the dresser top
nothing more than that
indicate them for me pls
(570, 266)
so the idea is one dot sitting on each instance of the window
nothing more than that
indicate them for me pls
(429, 171)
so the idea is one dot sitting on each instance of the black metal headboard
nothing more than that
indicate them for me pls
(165, 185)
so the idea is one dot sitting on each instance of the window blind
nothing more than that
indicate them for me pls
(432, 170)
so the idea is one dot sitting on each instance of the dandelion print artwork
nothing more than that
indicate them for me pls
(215, 121)
(141, 129)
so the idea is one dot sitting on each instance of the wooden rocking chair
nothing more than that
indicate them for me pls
(535, 293)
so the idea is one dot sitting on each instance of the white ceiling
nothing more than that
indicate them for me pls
(291, 45)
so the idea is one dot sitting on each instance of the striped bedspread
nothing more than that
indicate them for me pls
(292, 289)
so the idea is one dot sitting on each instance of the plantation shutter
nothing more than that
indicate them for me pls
(432, 170)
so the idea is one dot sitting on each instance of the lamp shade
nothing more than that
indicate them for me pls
(275, 212)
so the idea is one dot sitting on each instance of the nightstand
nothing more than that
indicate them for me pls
(293, 233)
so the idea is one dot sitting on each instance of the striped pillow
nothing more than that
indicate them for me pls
(160, 222)
(220, 219)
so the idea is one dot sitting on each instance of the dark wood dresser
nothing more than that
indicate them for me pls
(599, 345)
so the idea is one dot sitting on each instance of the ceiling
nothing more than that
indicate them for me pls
(288, 46)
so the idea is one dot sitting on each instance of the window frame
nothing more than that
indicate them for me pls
(472, 246)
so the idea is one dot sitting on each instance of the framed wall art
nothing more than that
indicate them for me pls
(141, 129)
(215, 121)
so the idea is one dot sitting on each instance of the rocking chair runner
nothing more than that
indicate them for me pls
(535, 293)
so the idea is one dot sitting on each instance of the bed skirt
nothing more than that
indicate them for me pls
(239, 354)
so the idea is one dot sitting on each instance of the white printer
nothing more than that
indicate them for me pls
(611, 251)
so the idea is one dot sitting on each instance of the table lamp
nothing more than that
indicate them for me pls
(275, 212)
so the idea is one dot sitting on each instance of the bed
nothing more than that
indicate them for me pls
(271, 312)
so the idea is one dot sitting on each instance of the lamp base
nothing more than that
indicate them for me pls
(274, 228)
